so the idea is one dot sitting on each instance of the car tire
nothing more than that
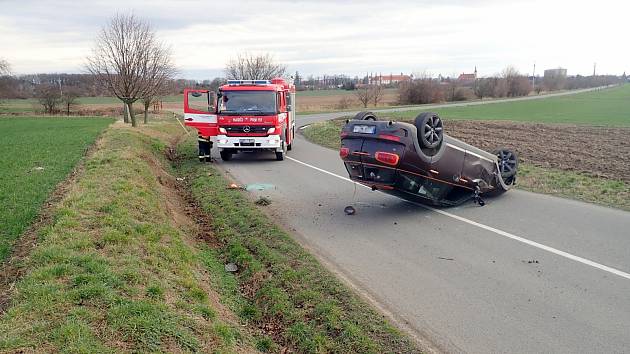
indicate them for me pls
(430, 129)
(226, 155)
(508, 162)
(365, 116)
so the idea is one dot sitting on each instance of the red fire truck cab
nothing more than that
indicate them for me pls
(244, 115)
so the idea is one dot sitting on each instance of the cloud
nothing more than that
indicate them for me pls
(325, 37)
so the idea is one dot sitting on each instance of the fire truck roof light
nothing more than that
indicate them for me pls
(248, 82)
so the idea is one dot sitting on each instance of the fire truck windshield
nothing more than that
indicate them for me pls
(248, 102)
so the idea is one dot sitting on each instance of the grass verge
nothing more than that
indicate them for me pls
(602, 107)
(37, 153)
(280, 290)
(116, 271)
(557, 182)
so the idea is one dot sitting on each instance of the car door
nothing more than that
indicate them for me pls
(200, 111)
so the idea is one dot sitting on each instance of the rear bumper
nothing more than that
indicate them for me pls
(408, 185)
(271, 142)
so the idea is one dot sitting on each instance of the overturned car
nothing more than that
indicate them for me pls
(418, 162)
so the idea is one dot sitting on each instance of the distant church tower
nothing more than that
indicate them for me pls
(475, 71)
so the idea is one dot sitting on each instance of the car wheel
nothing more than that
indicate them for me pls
(226, 155)
(508, 163)
(365, 116)
(430, 129)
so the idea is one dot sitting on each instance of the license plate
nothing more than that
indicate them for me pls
(246, 141)
(364, 129)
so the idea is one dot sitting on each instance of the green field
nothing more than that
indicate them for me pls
(37, 153)
(603, 107)
(31, 104)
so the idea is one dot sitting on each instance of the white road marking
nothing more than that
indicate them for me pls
(492, 229)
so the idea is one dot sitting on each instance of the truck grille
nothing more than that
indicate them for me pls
(247, 129)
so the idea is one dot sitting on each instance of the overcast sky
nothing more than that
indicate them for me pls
(328, 37)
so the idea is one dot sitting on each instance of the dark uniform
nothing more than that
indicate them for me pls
(204, 148)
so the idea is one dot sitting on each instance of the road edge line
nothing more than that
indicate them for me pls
(492, 229)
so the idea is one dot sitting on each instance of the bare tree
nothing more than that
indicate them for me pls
(129, 60)
(377, 94)
(5, 71)
(423, 89)
(159, 87)
(364, 94)
(48, 96)
(5, 68)
(517, 84)
(69, 99)
(254, 67)
(485, 87)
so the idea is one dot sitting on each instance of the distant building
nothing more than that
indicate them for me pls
(559, 72)
(389, 79)
(467, 78)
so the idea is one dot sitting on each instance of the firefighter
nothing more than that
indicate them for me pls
(204, 148)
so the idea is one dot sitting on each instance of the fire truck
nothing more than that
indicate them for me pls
(243, 116)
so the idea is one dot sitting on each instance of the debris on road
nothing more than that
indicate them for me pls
(231, 267)
(234, 186)
(263, 201)
(446, 259)
(532, 261)
(259, 186)
(349, 210)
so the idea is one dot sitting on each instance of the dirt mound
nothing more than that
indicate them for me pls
(598, 151)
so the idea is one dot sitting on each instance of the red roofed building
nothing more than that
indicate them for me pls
(389, 79)
(467, 78)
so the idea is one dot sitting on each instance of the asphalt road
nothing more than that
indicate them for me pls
(526, 273)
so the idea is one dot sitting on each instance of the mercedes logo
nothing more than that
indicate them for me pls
(246, 129)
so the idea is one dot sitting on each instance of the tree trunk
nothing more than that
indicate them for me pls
(125, 113)
(146, 113)
(68, 110)
(134, 123)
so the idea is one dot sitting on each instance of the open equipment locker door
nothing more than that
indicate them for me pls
(200, 113)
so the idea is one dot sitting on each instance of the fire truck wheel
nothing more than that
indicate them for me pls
(226, 155)
(283, 141)
(290, 146)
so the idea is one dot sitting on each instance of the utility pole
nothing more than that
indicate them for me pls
(60, 89)
(534, 78)
(594, 67)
